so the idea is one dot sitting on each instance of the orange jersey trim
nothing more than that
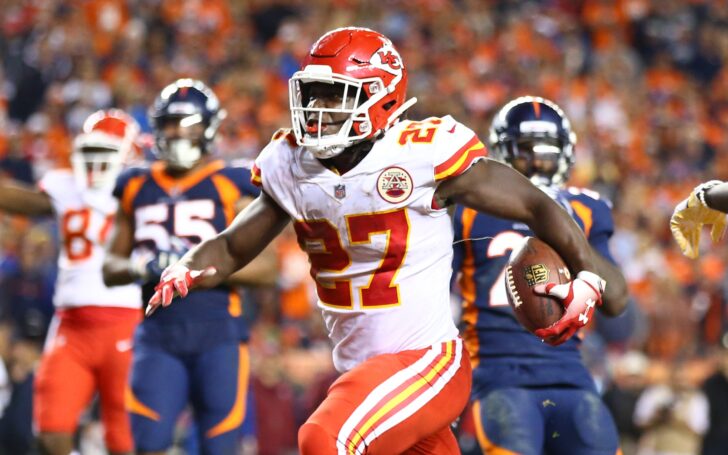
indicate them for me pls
(130, 191)
(461, 160)
(256, 178)
(585, 215)
(229, 195)
(235, 307)
(235, 418)
(173, 185)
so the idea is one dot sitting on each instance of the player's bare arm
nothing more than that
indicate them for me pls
(493, 187)
(261, 271)
(614, 298)
(117, 269)
(21, 199)
(716, 197)
(214, 260)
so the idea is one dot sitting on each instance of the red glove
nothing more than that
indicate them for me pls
(579, 298)
(176, 279)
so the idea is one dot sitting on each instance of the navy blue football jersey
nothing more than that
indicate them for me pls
(494, 337)
(174, 214)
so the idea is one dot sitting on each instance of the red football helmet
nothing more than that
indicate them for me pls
(370, 69)
(108, 140)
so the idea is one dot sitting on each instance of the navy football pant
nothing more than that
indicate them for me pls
(539, 421)
(214, 382)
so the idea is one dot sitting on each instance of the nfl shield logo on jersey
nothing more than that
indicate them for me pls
(340, 191)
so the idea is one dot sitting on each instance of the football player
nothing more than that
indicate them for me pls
(367, 193)
(88, 348)
(530, 397)
(706, 205)
(188, 353)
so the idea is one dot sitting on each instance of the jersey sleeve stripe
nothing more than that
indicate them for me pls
(457, 155)
(464, 161)
(130, 191)
(256, 177)
(229, 195)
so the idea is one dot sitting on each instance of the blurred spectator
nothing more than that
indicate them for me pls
(672, 415)
(716, 392)
(628, 382)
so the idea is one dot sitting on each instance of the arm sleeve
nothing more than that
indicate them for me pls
(457, 148)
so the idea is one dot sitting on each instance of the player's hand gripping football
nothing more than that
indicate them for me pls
(579, 298)
(176, 280)
(691, 215)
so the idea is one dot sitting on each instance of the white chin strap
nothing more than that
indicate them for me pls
(325, 152)
(182, 154)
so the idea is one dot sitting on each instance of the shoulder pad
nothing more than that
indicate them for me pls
(285, 134)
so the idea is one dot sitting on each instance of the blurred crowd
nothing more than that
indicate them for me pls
(645, 83)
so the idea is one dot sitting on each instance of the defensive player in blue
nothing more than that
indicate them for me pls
(530, 396)
(194, 352)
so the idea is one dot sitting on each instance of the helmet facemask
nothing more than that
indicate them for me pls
(352, 113)
(96, 167)
(182, 140)
(540, 159)
(185, 117)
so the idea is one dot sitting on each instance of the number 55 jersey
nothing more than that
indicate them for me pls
(174, 214)
(380, 250)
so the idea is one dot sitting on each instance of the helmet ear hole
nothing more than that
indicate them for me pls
(389, 105)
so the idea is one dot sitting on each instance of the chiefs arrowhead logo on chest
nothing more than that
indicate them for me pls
(394, 185)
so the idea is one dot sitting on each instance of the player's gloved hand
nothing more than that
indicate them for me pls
(691, 215)
(148, 266)
(579, 298)
(176, 280)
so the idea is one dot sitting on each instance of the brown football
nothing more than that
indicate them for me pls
(534, 262)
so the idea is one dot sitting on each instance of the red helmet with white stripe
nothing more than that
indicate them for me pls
(373, 80)
(108, 140)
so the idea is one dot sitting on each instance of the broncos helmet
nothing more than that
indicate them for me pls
(185, 117)
(533, 135)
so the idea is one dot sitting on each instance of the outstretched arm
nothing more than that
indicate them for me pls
(492, 187)
(117, 269)
(20, 199)
(261, 271)
(251, 231)
(213, 260)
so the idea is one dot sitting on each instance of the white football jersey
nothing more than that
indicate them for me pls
(85, 218)
(380, 251)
